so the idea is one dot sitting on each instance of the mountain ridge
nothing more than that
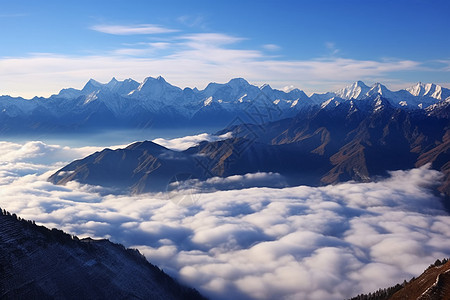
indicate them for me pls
(130, 104)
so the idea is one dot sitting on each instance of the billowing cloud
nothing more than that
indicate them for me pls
(329, 242)
(186, 142)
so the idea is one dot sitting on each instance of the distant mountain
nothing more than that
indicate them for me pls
(38, 263)
(362, 139)
(157, 103)
(432, 284)
(353, 140)
(148, 167)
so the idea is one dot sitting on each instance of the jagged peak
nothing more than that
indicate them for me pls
(93, 82)
(360, 83)
(160, 78)
(150, 79)
(354, 85)
(91, 86)
(356, 90)
(379, 88)
(425, 89)
(112, 83)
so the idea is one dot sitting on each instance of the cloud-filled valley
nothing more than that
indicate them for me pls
(329, 242)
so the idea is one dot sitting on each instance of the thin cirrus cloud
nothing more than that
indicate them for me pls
(271, 47)
(132, 29)
(46, 74)
(330, 242)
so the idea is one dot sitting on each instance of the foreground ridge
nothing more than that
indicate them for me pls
(39, 263)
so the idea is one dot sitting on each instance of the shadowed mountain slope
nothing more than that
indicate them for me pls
(38, 263)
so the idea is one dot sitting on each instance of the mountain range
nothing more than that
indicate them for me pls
(39, 263)
(351, 140)
(157, 103)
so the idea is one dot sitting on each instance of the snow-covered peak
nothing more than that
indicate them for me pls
(157, 90)
(151, 83)
(91, 86)
(427, 90)
(379, 89)
(357, 90)
(112, 83)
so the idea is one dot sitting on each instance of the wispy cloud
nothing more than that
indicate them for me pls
(197, 21)
(332, 48)
(194, 60)
(216, 39)
(192, 64)
(271, 47)
(132, 29)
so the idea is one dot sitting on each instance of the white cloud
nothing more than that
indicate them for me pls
(214, 57)
(329, 242)
(186, 142)
(132, 29)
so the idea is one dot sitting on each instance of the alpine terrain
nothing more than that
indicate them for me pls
(158, 104)
(357, 133)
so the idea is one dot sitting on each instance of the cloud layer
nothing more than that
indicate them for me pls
(329, 242)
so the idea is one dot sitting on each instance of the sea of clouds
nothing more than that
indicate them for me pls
(330, 242)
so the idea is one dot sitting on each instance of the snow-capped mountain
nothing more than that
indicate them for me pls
(419, 96)
(129, 104)
(352, 140)
(357, 90)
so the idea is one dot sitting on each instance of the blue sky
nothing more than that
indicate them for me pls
(313, 45)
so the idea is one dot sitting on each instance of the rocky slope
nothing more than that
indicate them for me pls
(432, 284)
(38, 263)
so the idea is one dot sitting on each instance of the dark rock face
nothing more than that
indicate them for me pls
(38, 263)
